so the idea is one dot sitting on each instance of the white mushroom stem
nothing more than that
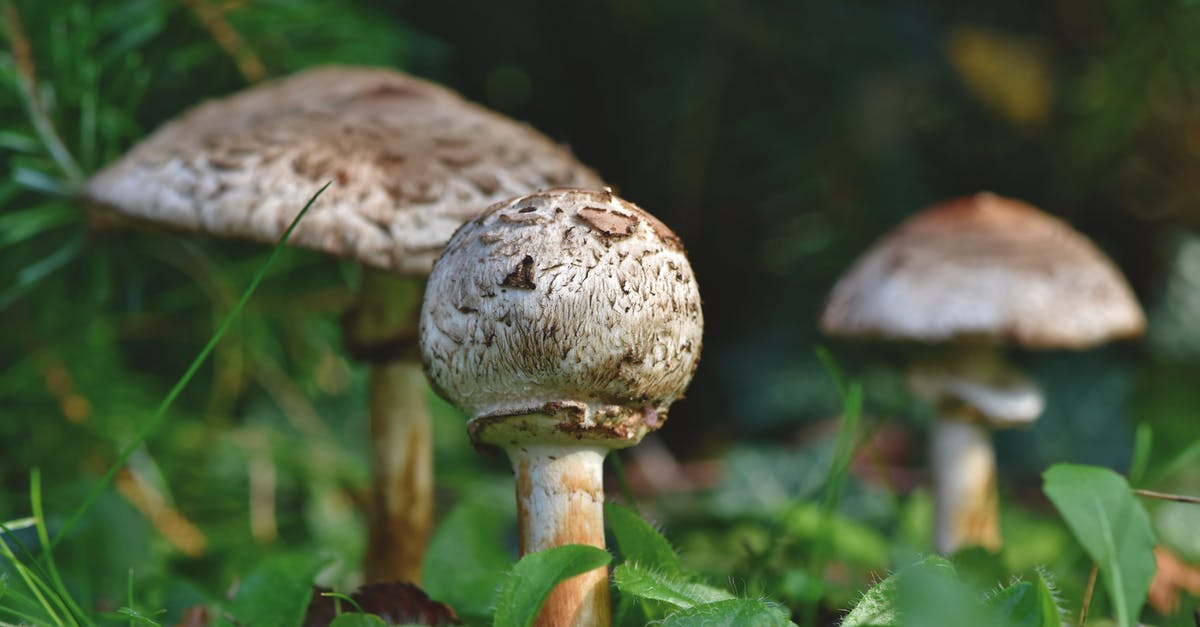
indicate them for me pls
(964, 479)
(976, 392)
(401, 471)
(560, 500)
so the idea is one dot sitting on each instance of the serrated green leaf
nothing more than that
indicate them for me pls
(1112, 527)
(355, 619)
(1027, 604)
(470, 538)
(672, 588)
(731, 612)
(277, 592)
(530, 581)
(638, 542)
(879, 605)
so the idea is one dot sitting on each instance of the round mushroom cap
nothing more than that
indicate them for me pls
(409, 161)
(574, 307)
(985, 267)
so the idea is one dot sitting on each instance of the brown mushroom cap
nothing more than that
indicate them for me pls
(985, 267)
(409, 160)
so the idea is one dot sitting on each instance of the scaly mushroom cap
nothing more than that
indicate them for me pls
(409, 160)
(566, 314)
(985, 267)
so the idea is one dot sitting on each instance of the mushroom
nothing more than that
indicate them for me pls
(564, 323)
(973, 274)
(409, 161)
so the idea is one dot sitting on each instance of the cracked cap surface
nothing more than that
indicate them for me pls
(574, 305)
(409, 160)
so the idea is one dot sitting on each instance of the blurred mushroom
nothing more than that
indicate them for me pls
(973, 274)
(409, 161)
(564, 323)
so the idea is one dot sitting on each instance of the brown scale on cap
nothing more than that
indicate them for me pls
(410, 161)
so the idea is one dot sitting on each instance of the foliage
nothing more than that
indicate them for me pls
(1113, 528)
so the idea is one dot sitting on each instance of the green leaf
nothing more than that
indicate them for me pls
(638, 542)
(1028, 604)
(277, 592)
(466, 561)
(354, 619)
(879, 606)
(137, 617)
(932, 594)
(672, 588)
(1112, 527)
(530, 581)
(731, 612)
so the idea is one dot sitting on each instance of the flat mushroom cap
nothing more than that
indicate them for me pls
(571, 304)
(985, 267)
(409, 160)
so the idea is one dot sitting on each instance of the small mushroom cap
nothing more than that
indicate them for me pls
(985, 267)
(1010, 400)
(565, 314)
(409, 160)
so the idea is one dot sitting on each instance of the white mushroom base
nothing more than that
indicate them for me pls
(964, 467)
(560, 500)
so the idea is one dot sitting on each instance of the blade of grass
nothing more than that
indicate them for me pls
(35, 497)
(852, 402)
(12, 598)
(29, 579)
(37, 580)
(22, 55)
(1141, 453)
(161, 411)
(129, 596)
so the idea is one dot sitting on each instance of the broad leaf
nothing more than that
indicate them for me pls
(1112, 527)
(638, 542)
(731, 612)
(672, 588)
(466, 560)
(530, 581)
(276, 593)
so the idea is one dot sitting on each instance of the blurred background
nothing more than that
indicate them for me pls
(778, 139)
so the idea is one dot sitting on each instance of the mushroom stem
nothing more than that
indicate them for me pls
(380, 328)
(401, 472)
(560, 500)
(964, 478)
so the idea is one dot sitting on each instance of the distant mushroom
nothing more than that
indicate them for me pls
(973, 274)
(409, 161)
(565, 323)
